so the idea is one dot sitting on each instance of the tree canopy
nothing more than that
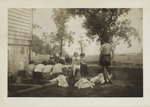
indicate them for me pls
(106, 23)
(102, 22)
(62, 36)
(37, 45)
(83, 43)
(53, 42)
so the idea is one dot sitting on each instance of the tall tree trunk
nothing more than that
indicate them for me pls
(60, 48)
(81, 47)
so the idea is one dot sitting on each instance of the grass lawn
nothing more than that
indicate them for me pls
(132, 86)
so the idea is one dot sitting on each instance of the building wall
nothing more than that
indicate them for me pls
(19, 38)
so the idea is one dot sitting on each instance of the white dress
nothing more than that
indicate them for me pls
(75, 64)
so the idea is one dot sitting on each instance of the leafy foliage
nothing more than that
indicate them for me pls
(83, 43)
(105, 23)
(43, 46)
(36, 26)
(51, 43)
(37, 45)
(62, 36)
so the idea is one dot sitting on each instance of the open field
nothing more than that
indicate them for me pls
(118, 58)
(127, 80)
(91, 59)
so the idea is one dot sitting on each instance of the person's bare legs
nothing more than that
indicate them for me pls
(74, 71)
(106, 74)
(107, 68)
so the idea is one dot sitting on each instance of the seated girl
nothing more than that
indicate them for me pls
(83, 69)
(58, 68)
(29, 70)
(75, 63)
(37, 74)
(47, 70)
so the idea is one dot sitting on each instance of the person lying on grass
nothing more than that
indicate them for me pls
(47, 70)
(61, 78)
(37, 74)
(107, 54)
(29, 70)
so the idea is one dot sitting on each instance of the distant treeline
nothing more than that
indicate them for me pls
(39, 46)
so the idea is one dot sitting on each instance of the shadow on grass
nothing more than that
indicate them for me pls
(131, 87)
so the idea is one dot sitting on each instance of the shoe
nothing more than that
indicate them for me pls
(110, 82)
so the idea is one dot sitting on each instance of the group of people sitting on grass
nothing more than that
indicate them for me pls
(55, 66)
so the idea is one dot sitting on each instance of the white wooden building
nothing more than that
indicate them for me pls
(19, 38)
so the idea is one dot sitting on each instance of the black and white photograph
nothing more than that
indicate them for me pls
(74, 53)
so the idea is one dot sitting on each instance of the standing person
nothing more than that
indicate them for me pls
(37, 74)
(75, 62)
(29, 70)
(107, 54)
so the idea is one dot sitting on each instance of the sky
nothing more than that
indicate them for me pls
(42, 16)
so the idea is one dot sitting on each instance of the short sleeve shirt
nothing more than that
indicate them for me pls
(39, 68)
(48, 68)
(58, 68)
(30, 68)
(106, 48)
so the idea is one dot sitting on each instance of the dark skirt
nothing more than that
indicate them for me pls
(84, 69)
(104, 60)
(37, 75)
